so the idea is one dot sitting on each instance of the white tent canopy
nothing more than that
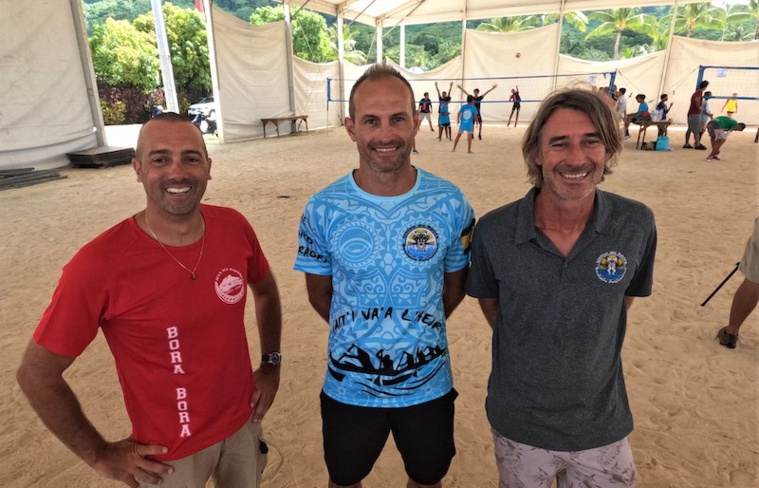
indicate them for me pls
(410, 12)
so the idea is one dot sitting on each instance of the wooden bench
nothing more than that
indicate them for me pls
(286, 118)
(643, 126)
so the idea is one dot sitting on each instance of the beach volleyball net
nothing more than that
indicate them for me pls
(726, 80)
(497, 105)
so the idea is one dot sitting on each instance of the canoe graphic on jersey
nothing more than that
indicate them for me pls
(386, 372)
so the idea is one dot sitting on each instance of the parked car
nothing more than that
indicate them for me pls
(205, 106)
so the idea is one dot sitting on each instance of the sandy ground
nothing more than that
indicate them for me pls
(694, 402)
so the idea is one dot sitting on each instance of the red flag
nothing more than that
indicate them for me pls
(199, 6)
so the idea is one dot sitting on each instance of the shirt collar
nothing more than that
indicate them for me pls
(526, 230)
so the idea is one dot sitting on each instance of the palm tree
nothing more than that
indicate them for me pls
(657, 30)
(633, 51)
(349, 44)
(730, 18)
(577, 20)
(509, 24)
(695, 15)
(737, 33)
(745, 12)
(614, 21)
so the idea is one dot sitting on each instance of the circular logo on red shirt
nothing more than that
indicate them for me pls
(229, 285)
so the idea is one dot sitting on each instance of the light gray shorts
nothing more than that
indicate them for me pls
(694, 123)
(238, 460)
(531, 467)
(750, 263)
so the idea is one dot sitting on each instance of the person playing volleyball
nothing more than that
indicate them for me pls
(477, 99)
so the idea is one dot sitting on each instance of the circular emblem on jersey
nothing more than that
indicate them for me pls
(420, 243)
(466, 115)
(229, 285)
(357, 244)
(611, 267)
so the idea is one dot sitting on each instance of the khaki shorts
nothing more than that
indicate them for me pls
(531, 467)
(236, 462)
(750, 263)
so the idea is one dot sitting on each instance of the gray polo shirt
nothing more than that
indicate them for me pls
(557, 381)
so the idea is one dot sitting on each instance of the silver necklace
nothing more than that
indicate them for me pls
(202, 245)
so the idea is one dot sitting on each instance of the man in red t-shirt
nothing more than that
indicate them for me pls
(694, 118)
(167, 287)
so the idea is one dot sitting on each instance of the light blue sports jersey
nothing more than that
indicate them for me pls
(467, 118)
(387, 257)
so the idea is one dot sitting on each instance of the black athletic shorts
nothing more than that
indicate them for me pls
(355, 436)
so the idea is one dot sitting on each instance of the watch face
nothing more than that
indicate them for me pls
(272, 358)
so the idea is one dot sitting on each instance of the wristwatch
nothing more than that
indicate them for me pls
(273, 358)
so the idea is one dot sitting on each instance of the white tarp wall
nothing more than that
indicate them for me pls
(311, 93)
(45, 107)
(637, 75)
(251, 62)
(489, 55)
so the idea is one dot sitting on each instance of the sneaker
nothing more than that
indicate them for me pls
(710, 158)
(727, 340)
(701, 147)
(687, 146)
(627, 136)
(415, 151)
(715, 158)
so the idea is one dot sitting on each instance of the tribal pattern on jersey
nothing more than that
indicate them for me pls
(387, 257)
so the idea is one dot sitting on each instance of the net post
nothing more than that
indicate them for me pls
(700, 76)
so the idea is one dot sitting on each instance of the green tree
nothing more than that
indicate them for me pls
(415, 55)
(694, 15)
(509, 24)
(613, 22)
(96, 12)
(578, 20)
(737, 33)
(188, 45)
(633, 51)
(349, 45)
(737, 15)
(657, 30)
(125, 57)
(309, 32)
(753, 10)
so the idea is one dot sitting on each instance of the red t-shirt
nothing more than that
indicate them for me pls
(695, 102)
(179, 345)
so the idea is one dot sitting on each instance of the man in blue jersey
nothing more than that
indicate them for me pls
(466, 117)
(385, 250)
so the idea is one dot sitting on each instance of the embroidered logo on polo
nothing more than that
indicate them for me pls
(611, 267)
(420, 243)
(229, 285)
